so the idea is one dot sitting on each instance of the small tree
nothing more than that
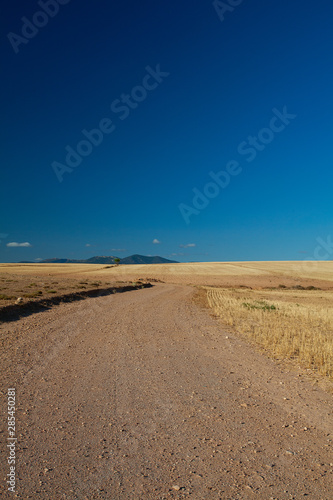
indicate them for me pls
(117, 261)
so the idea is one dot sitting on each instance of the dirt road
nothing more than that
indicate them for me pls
(143, 395)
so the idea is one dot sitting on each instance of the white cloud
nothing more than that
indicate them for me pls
(88, 245)
(188, 245)
(156, 241)
(15, 244)
(118, 249)
(38, 259)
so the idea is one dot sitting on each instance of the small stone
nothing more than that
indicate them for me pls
(19, 300)
(176, 487)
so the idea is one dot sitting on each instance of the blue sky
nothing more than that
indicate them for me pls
(197, 85)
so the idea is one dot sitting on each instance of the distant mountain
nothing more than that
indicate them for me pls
(59, 261)
(93, 260)
(100, 260)
(142, 259)
(132, 259)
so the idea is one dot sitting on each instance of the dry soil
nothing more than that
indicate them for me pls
(144, 395)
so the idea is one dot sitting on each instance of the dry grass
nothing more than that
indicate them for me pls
(288, 324)
(33, 287)
(223, 274)
(300, 327)
(316, 270)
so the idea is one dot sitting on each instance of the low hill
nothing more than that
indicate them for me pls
(132, 259)
(61, 261)
(142, 259)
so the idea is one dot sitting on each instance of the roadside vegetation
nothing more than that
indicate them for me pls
(288, 324)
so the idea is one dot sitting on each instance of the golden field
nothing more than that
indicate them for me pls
(284, 307)
(188, 272)
(287, 324)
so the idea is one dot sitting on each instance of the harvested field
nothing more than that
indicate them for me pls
(288, 324)
(34, 287)
(228, 274)
(25, 294)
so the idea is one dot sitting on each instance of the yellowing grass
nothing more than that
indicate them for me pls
(311, 270)
(299, 328)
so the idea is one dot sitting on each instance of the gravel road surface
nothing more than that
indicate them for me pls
(144, 395)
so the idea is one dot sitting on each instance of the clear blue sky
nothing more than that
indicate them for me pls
(212, 94)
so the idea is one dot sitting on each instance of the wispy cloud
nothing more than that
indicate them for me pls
(118, 249)
(15, 244)
(156, 241)
(38, 259)
(88, 245)
(188, 245)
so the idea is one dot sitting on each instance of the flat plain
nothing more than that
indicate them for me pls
(221, 273)
(214, 383)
